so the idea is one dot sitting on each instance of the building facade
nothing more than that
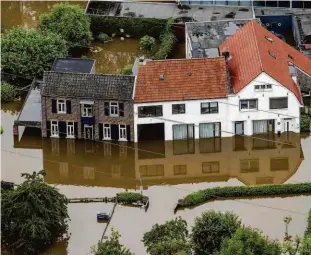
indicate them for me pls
(89, 106)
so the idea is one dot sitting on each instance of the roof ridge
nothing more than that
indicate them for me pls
(183, 59)
(257, 47)
(84, 74)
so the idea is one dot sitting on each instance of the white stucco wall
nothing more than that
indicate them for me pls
(229, 111)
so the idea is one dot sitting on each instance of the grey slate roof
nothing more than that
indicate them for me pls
(73, 65)
(96, 86)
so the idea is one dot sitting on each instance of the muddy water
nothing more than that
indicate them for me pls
(82, 169)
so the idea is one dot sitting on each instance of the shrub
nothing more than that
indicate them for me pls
(129, 197)
(70, 22)
(210, 229)
(306, 246)
(127, 69)
(8, 92)
(168, 40)
(202, 196)
(308, 230)
(103, 38)
(249, 241)
(147, 43)
(305, 123)
(134, 27)
(1, 130)
(29, 52)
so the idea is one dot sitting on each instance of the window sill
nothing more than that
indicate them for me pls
(70, 136)
(122, 140)
(106, 139)
(248, 110)
(209, 112)
(178, 113)
(114, 115)
(54, 136)
(61, 112)
(87, 116)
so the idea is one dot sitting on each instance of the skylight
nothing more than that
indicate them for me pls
(272, 54)
(269, 39)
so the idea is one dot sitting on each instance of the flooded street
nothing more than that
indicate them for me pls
(81, 169)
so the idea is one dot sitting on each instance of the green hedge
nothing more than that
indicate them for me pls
(202, 196)
(136, 27)
(8, 92)
(305, 122)
(129, 197)
(168, 40)
(308, 230)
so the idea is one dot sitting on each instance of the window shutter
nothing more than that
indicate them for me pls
(106, 110)
(54, 109)
(76, 129)
(128, 132)
(62, 127)
(114, 132)
(48, 128)
(121, 109)
(68, 106)
(100, 129)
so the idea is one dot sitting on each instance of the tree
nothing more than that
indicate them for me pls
(29, 52)
(111, 246)
(251, 242)
(8, 92)
(169, 238)
(33, 216)
(211, 229)
(70, 22)
(147, 43)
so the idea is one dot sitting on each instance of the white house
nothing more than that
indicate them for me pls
(251, 89)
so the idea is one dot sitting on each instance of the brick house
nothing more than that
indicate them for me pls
(87, 105)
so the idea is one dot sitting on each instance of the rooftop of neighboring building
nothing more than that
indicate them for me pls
(168, 10)
(205, 37)
(181, 79)
(73, 65)
(254, 50)
(95, 86)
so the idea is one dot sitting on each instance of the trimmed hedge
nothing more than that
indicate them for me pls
(168, 40)
(129, 197)
(203, 196)
(308, 230)
(136, 27)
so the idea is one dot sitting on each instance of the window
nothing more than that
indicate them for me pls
(249, 165)
(263, 87)
(150, 111)
(278, 103)
(183, 131)
(107, 132)
(87, 110)
(151, 170)
(269, 39)
(54, 128)
(185, 146)
(249, 104)
(180, 169)
(122, 132)
(279, 164)
(210, 167)
(114, 109)
(178, 108)
(89, 173)
(209, 130)
(61, 106)
(211, 107)
(70, 130)
(272, 54)
(263, 126)
(210, 145)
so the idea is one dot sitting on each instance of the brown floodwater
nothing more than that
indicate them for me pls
(169, 171)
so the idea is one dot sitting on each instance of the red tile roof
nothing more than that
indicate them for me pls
(250, 48)
(184, 79)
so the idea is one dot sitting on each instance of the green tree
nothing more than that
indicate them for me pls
(251, 242)
(29, 52)
(8, 92)
(169, 238)
(33, 216)
(211, 228)
(70, 22)
(111, 246)
(147, 43)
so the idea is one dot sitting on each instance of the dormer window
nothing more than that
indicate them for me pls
(269, 39)
(272, 54)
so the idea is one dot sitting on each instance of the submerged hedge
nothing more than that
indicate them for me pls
(129, 197)
(203, 196)
(135, 27)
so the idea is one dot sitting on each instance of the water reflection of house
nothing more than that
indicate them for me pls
(252, 161)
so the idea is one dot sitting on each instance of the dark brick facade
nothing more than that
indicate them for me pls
(75, 116)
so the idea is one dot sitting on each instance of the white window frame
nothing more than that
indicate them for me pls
(87, 113)
(61, 103)
(106, 130)
(114, 109)
(122, 133)
(54, 133)
(70, 126)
